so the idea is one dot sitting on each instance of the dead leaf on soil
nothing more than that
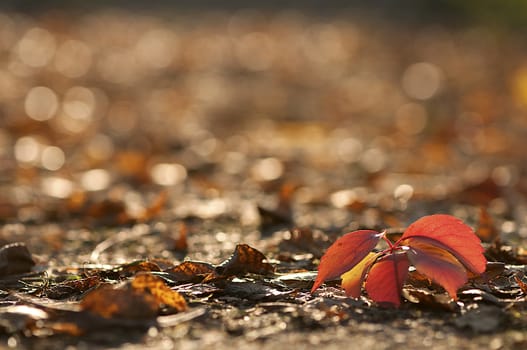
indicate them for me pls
(486, 229)
(15, 258)
(245, 259)
(180, 244)
(69, 288)
(521, 284)
(191, 271)
(148, 283)
(109, 302)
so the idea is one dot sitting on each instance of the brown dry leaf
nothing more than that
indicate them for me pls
(521, 284)
(305, 240)
(181, 244)
(155, 208)
(15, 258)
(498, 251)
(132, 165)
(493, 270)
(71, 287)
(109, 302)
(139, 266)
(109, 212)
(430, 299)
(154, 285)
(191, 271)
(245, 259)
(283, 213)
(486, 229)
(480, 194)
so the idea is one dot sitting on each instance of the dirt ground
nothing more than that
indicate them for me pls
(131, 142)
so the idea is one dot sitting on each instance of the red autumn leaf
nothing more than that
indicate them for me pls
(345, 253)
(386, 279)
(441, 247)
(439, 265)
(450, 233)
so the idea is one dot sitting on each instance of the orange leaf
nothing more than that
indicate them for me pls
(108, 302)
(439, 265)
(450, 233)
(386, 279)
(189, 271)
(155, 285)
(352, 280)
(245, 259)
(345, 253)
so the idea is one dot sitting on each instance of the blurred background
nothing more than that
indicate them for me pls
(367, 108)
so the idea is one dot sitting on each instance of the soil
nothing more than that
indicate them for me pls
(131, 142)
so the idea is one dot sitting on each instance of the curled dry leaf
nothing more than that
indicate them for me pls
(245, 259)
(191, 271)
(15, 258)
(71, 287)
(440, 247)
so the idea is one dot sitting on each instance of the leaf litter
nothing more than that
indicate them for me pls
(197, 230)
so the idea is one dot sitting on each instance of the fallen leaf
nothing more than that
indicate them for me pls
(486, 230)
(439, 265)
(15, 258)
(345, 253)
(181, 244)
(430, 299)
(156, 286)
(450, 233)
(245, 259)
(386, 278)
(191, 271)
(68, 288)
(521, 284)
(138, 266)
(109, 302)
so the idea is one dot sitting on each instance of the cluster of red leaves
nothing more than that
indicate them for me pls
(440, 247)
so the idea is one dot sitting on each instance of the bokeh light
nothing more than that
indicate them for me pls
(167, 174)
(37, 47)
(41, 103)
(73, 58)
(422, 80)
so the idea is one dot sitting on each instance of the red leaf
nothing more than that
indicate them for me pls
(352, 280)
(345, 253)
(386, 279)
(439, 265)
(450, 233)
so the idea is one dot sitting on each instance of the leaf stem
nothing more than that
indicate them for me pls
(390, 244)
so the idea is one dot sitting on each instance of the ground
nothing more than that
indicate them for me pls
(131, 142)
